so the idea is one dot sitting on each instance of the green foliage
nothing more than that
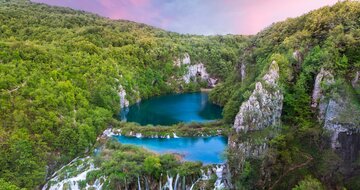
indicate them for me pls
(328, 39)
(7, 186)
(285, 68)
(152, 166)
(125, 163)
(22, 159)
(309, 183)
(249, 176)
(60, 72)
(181, 129)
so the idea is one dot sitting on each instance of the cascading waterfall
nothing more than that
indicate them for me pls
(219, 174)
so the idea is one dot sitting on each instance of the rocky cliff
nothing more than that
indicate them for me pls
(261, 111)
(263, 108)
(193, 72)
(338, 113)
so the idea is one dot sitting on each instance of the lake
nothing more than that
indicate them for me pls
(172, 109)
(208, 150)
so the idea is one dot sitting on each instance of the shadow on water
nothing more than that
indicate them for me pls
(172, 109)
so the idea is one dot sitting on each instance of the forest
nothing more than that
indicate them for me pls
(60, 72)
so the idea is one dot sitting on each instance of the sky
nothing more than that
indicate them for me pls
(206, 17)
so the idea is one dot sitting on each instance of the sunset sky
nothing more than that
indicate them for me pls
(198, 16)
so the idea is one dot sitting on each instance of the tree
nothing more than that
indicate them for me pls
(309, 183)
(152, 166)
(8, 186)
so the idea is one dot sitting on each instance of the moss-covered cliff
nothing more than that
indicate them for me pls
(316, 132)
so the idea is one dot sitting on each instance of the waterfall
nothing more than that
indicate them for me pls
(138, 179)
(169, 182)
(123, 113)
(192, 185)
(176, 181)
(219, 181)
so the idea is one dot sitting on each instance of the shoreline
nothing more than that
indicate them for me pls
(205, 89)
(214, 128)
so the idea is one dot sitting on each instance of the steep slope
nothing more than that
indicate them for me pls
(318, 133)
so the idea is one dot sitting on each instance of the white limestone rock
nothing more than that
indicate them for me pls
(212, 82)
(122, 94)
(323, 76)
(184, 61)
(193, 71)
(264, 106)
(337, 114)
(108, 133)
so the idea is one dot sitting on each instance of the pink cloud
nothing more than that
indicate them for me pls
(135, 10)
(262, 13)
(198, 16)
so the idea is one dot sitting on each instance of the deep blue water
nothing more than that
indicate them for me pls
(208, 150)
(172, 109)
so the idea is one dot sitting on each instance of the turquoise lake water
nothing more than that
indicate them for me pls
(172, 109)
(208, 150)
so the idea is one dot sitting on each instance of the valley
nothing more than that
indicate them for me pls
(92, 103)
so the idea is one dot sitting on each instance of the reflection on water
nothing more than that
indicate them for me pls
(208, 150)
(172, 109)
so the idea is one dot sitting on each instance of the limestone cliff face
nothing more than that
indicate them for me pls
(184, 61)
(260, 111)
(263, 108)
(122, 94)
(324, 77)
(339, 116)
(194, 71)
(341, 119)
(197, 70)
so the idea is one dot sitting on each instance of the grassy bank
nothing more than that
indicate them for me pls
(213, 128)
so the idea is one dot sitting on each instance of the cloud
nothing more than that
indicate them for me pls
(198, 16)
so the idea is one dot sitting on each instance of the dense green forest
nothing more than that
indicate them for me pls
(328, 39)
(60, 72)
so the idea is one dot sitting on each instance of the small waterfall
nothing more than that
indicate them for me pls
(123, 113)
(219, 181)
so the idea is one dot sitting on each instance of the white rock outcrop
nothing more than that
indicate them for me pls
(122, 94)
(108, 133)
(324, 76)
(331, 114)
(194, 71)
(184, 61)
(264, 106)
(337, 114)
(212, 82)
